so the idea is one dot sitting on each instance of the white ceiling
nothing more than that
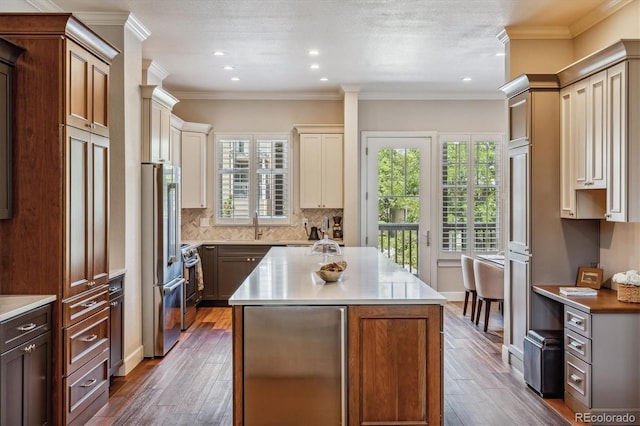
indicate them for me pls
(385, 48)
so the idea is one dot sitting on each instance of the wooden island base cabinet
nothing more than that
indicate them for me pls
(369, 348)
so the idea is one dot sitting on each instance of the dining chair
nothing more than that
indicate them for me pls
(469, 282)
(489, 286)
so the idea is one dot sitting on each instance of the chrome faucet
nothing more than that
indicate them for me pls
(256, 230)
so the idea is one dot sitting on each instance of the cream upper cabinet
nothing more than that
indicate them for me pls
(321, 170)
(195, 139)
(156, 124)
(598, 114)
(589, 125)
(175, 140)
(583, 149)
(623, 139)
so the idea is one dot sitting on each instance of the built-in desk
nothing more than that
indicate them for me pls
(602, 346)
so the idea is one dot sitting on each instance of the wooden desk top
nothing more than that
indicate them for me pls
(606, 302)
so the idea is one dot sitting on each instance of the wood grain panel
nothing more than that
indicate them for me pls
(395, 362)
(100, 98)
(79, 78)
(100, 209)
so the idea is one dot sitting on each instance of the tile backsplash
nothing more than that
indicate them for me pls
(191, 229)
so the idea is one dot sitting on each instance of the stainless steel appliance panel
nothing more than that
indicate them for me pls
(161, 318)
(309, 389)
(162, 281)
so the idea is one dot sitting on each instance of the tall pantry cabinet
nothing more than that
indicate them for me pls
(542, 247)
(57, 241)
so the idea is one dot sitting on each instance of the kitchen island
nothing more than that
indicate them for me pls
(367, 349)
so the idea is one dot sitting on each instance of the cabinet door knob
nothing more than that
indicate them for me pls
(114, 304)
(91, 283)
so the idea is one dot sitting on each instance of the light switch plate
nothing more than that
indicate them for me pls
(205, 221)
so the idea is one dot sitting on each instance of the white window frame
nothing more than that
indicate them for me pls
(252, 137)
(471, 138)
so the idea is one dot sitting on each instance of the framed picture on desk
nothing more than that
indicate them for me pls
(589, 277)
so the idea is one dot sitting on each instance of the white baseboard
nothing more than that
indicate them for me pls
(453, 296)
(130, 362)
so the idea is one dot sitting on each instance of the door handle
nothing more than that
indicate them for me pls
(173, 287)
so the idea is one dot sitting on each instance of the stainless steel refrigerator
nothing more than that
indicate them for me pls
(162, 275)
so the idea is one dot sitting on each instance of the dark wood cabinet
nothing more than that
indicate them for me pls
(61, 185)
(207, 253)
(8, 55)
(116, 303)
(25, 369)
(234, 264)
(225, 267)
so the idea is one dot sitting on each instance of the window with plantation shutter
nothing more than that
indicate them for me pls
(252, 176)
(470, 191)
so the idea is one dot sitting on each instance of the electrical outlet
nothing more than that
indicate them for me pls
(305, 222)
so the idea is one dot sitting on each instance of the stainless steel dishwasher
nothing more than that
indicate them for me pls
(294, 365)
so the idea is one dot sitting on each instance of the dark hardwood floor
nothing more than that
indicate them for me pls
(192, 384)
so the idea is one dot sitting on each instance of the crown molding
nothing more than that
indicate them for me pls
(260, 96)
(196, 127)
(176, 121)
(530, 82)
(597, 15)
(319, 128)
(154, 69)
(431, 96)
(537, 33)
(350, 88)
(124, 19)
(159, 95)
(44, 5)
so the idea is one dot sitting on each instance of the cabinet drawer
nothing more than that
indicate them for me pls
(85, 305)
(577, 375)
(21, 328)
(577, 345)
(85, 340)
(85, 386)
(578, 321)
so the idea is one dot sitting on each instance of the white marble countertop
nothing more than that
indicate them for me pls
(14, 305)
(286, 276)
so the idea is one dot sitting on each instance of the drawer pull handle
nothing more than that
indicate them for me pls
(575, 378)
(89, 304)
(114, 288)
(576, 321)
(89, 383)
(30, 348)
(114, 304)
(27, 327)
(576, 345)
(90, 338)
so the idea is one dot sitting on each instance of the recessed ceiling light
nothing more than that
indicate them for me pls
(466, 79)
(228, 67)
(218, 53)
(500, 54)
(235, 78)
(314, 52)
(315, 66)
(324, 79)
